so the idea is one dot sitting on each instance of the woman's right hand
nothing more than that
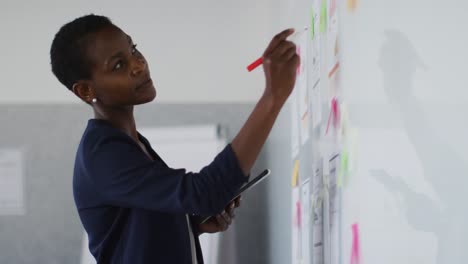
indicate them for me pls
(280, 62)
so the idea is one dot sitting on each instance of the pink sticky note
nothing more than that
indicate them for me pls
(355, 250)
(332, 7)
(298, 214)
(334, 116)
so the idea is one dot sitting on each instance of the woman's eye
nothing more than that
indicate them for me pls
(118, 65)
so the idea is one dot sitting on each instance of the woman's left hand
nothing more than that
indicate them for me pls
(220, 222)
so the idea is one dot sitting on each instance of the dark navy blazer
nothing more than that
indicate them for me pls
(133, 208)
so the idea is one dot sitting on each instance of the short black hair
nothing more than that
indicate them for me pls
(68, 52)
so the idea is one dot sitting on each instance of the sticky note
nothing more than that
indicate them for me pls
(355, 250)
(334, 114)
(343, 168)
(351, 5)
(332, 7)
(295, 176)
(298, 214)
(323, 16)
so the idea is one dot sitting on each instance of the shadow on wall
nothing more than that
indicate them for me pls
(442, 167)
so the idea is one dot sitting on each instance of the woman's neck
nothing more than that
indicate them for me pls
(122, 119)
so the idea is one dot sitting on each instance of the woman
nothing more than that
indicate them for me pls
(135, 208)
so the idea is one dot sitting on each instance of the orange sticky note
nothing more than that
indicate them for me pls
(295, 176)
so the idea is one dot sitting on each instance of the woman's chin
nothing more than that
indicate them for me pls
(148, 97)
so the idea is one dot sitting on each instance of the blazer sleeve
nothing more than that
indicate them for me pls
(124, 176)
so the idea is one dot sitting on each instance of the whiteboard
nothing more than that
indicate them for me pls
(402, 75)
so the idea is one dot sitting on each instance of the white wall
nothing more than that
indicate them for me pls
(404, 65)
(197, 50)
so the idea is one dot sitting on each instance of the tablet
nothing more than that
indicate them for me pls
(246, 186)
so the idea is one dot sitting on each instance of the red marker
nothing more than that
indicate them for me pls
(255, 64)
(259, 61)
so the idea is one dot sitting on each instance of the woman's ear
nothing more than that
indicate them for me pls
(83, 90)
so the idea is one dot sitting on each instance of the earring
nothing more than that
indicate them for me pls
(94, 100)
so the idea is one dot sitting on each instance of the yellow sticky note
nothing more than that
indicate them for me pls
(295, 176)
(323, 16)
(351, 4)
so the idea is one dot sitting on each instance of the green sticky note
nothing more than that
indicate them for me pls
(323, 16)
(343, 168)
(344, 162)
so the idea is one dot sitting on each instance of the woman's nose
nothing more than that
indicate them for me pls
(139, 66)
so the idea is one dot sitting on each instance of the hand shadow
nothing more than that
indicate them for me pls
(418, 207)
